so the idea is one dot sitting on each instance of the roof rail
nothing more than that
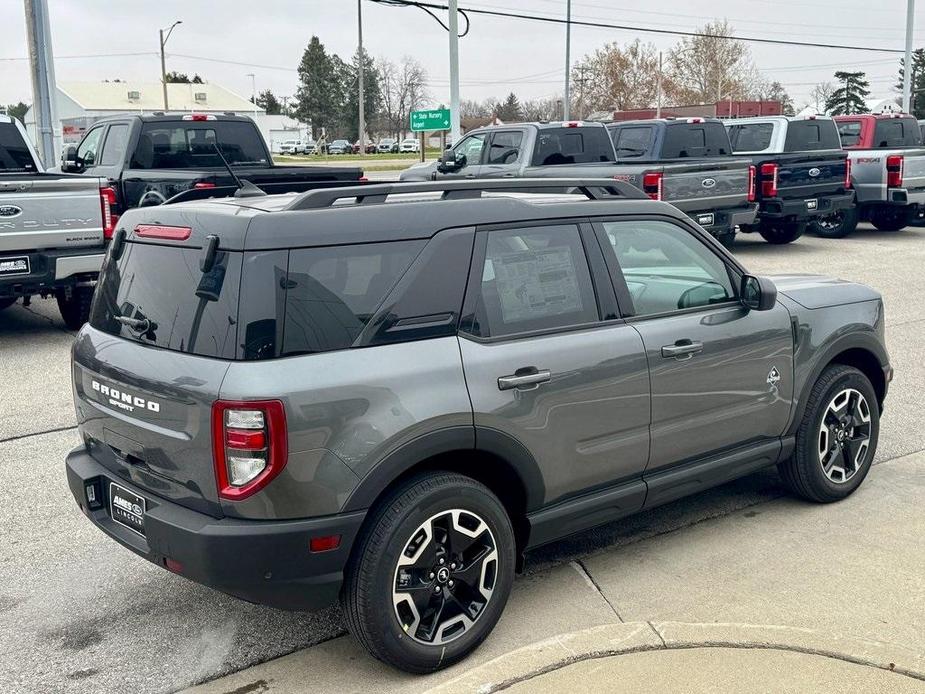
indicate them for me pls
(592, 188)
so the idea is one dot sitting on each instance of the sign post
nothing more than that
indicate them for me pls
(429, 120)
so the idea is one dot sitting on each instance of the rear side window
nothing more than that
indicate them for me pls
(809, 135)
(532, 279)
(751, 137)
(850, 132)
(169, 301)
(695, 140)
(632, 141)
(185, 145)
(897, 132)
(572, 146)
(334, 292)
(14, 154)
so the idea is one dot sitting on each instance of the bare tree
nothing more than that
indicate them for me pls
(540, 109)
(710, 68)
(622, 77)
(469, 108)
(404, 89)
(820, 94)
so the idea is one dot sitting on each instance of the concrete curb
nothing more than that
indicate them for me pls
(620, 639)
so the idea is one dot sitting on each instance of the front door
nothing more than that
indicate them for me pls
(503, 155)
(542, 367)
(721, 375)
(471, 146)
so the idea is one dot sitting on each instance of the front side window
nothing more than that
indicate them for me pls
(505, 147)
(666, 268)
(334, 292)
(472, 148)
(88, 149)
(533, 279)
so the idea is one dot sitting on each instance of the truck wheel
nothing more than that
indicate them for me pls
(837, 438)
(75, 310)
(781, 232)
(891, 219)
(7, 302)
(431, 573)
(837, 225)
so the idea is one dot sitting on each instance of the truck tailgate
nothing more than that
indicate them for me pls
(811, 174)
(705, 185)
(43, 211)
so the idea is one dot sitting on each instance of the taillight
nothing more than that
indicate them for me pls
(894, 171)
(769, 180)
(248, 445)
(847, 173)
(752, 174)
(204, 185)
(652, 185)
(107, 201)
(161, 231)
(199, 117)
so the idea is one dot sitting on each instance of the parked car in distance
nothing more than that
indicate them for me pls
(310, 147)
(291, 147)
(409, 145)
(387, 145)
(340, 147)
(370, 147)
(150, 159)
(686, 162)
(54, 228)
(887, 167)
(803, 175)
(396, 397)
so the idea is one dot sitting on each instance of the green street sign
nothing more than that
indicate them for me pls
(433, 119)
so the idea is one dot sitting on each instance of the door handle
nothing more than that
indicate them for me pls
(529, 376)
(508, 175)
(682, 349)
(470, 175)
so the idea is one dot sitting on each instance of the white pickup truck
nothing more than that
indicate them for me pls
(53, 229)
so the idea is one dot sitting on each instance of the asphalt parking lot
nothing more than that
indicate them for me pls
(80, 614)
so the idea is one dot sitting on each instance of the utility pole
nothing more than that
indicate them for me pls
(44, 95)
(582, 80)
(362, 119)
(164, 38)
(658, 88)
(907, 68)
(454, 70)
(253, 92)
(568, 57)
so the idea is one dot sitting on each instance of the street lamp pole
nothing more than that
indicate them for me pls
(568, 58)
(907, 68)
(163, 60)
(453, 25)
(253, 92)
(360, 61)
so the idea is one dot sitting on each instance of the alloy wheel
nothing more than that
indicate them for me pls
(445, 577)
(844, 435)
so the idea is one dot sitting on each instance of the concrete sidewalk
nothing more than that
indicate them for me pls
(783, 596)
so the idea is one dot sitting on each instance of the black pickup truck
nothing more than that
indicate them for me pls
(804, 178)
(685, 162)
(149, 159)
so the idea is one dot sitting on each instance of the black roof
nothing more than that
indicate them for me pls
(335, 216)
(173, 117)
(681, 120)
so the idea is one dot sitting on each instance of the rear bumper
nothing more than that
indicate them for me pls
(724, 220)
(797, 208)
(51, 269)
(266, 562)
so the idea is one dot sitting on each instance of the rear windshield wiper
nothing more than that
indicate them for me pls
(139, 325)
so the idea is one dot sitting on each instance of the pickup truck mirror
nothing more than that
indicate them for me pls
(758, 293)
(451, 161)
(69, 161)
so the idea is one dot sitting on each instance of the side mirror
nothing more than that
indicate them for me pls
(451, 161)
(758, 293)
(69, 161)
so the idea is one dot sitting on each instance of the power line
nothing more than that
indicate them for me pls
(649, 30)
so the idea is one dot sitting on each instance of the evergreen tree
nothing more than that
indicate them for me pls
(509, 111)
(917, 82)
(174, 77)
(17, 111)
(318, 98)
(268, 102)
(850, 94)
(372, 95)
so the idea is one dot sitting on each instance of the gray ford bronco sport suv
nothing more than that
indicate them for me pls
(387, 395)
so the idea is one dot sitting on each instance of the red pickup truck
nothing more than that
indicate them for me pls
(887, 167)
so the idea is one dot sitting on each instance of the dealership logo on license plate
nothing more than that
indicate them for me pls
(812, 204)
(14, 266)
(126, 508)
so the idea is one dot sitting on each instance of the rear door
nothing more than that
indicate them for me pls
(548, 363)
(721, 375)
(151, 363)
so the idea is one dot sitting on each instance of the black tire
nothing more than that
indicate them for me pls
(837, 225)
(803, 473)
(75, 311)
(780, 233)
(891, 218)
(7, 302)
(373, 572)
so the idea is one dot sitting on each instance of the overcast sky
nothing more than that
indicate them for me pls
(224, 40)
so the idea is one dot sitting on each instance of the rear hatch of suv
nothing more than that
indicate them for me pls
(147, 369)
